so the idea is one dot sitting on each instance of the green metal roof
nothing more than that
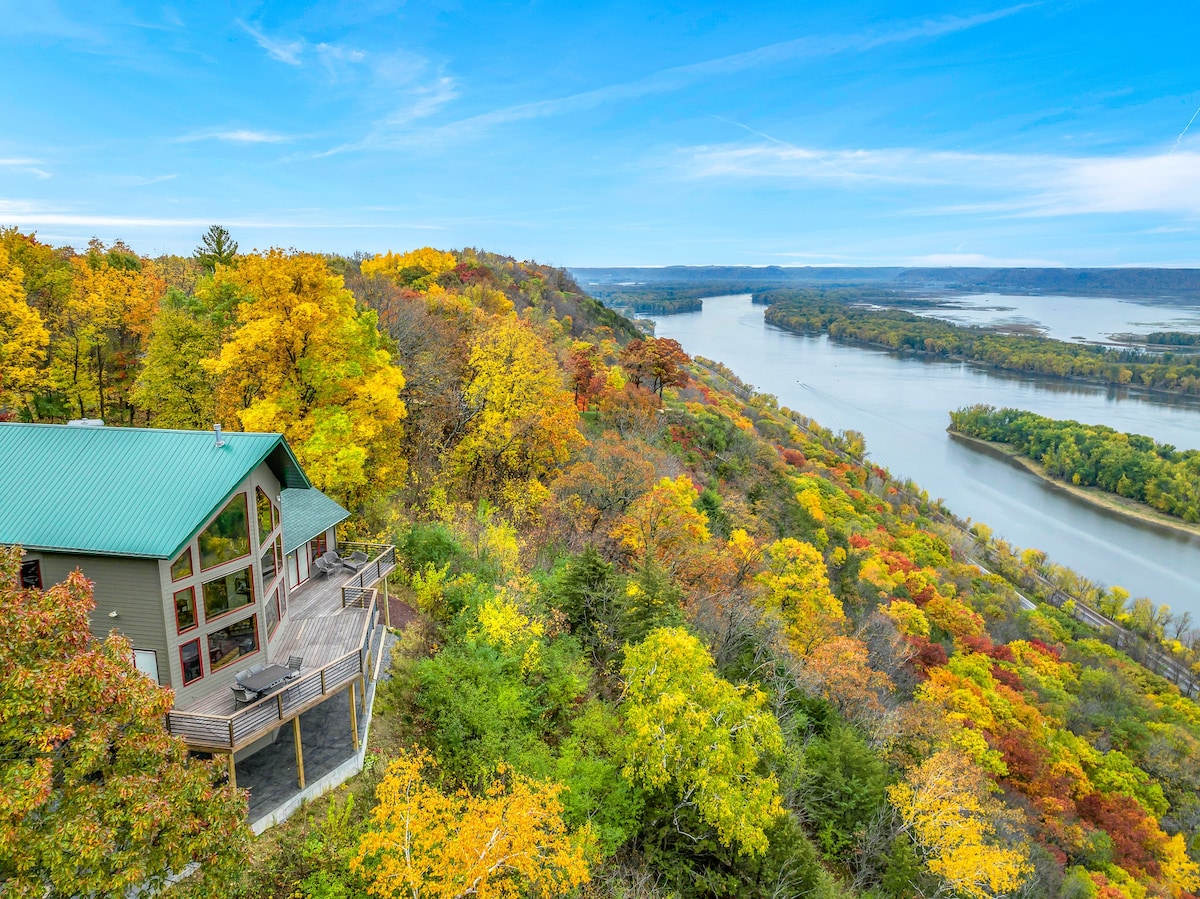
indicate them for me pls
(307, 513)
(124, 491)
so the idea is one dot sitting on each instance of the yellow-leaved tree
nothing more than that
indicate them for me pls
(23, 338)
(946, 806)
(416, 269)
(102, 328)
(663, 524)
(701, 739)
(303, 361)
(520, 420)
(507, 842)
(797, 590)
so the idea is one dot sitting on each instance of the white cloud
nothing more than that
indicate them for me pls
(279, 50)
(27, 213)
(237, 135)
(25, 166)
(336, 59)
(999, 183)
(141, 180)
(668, 80)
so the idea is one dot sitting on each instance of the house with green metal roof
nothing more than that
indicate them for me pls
(208, 550)
(194, 540)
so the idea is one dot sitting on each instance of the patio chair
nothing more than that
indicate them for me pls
(241, 695)
(254, 669)
(324, 567)
(242, 675)
(355, 561)
(294, 663)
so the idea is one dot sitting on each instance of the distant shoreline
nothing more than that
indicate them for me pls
(1120, 505)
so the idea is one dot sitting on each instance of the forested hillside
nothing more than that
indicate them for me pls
(673, 640)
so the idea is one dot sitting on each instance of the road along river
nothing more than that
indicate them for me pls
(901, 405)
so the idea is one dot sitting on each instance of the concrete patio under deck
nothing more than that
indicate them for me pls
(270, 774)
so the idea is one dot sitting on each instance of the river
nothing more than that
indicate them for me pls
(901, 405)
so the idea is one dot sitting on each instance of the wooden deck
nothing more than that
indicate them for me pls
(328, 624)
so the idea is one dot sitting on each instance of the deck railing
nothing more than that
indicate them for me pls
(247, 724)
(381, 560)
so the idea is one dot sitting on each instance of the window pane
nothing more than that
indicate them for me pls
(146, 661)
(268, 566)
(185, 609)
(182, 567)
(189, 657)
(228, 537)
(319, 547)
(272, 612)
(264, 515)
(233, 642)
(227, 593)
(31, 574)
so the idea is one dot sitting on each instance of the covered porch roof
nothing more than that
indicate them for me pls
(307, 513)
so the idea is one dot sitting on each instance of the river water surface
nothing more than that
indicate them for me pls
(901, 404)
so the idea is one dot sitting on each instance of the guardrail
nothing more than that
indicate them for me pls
(381, 560)
(230, 732)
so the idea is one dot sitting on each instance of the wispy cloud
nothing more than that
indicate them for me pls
(238, 136)
(28, 213)
(25, 166)
(284, 51)
(998, 183)
(676, 78)
(141, 180)
(335, 59)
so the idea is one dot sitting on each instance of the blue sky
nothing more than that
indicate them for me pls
(612, 134)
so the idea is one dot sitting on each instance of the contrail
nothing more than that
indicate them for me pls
(1185, 129)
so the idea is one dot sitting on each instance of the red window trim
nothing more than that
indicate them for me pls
(228, 612)
(195, 611)
(199, 656)
(187, 552)
(323, 539)
(257, 649)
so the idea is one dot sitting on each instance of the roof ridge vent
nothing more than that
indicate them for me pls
(86, 423)
(220, 438)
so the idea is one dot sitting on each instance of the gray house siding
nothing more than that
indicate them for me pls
(129, 587)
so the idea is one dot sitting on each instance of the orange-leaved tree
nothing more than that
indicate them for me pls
(96, 797)
(655, 362)
(507, 842)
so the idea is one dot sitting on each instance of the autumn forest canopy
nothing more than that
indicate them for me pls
(672, 639)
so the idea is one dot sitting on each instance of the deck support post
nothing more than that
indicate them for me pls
(299, 750)
(232, 770)
(353, 719)
(387, 606)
